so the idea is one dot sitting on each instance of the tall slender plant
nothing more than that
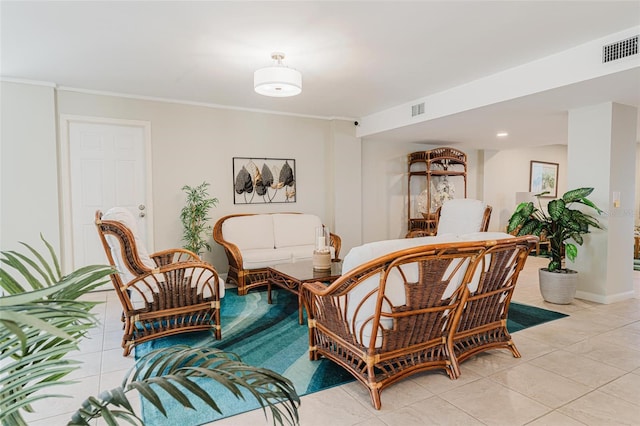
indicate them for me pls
(194, 217)
(42, 320)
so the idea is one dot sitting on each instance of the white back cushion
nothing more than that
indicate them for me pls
(125, 217)
(295, 229)
(366, 252)
(249, 232)
(461, 216)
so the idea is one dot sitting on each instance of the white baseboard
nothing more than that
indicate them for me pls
(598, 298)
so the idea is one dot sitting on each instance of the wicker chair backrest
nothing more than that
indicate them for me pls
(126, 251)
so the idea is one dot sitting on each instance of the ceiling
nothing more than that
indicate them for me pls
(357, 58)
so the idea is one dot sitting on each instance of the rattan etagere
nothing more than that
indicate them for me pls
(427, 165)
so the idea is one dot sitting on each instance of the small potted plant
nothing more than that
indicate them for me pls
(559, 224)
(194, 217)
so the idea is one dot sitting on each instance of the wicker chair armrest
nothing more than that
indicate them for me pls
(234, 255)
(315, 288)
(167, 257)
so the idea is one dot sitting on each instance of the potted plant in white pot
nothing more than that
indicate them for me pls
(560, 224)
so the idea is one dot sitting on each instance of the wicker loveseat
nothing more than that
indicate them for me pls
(405, 306)
(253, 242)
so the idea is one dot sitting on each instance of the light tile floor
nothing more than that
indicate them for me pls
(583, 369)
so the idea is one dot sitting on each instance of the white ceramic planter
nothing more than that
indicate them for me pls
(558, 288)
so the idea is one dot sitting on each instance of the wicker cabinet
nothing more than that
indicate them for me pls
(427, 170)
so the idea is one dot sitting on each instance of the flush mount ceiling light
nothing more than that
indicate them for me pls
(278, 80)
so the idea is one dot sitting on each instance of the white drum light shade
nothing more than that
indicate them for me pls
(277, 81)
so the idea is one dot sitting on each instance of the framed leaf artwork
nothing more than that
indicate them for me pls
(264, 180)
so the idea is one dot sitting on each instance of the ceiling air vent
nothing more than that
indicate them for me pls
(620, 49)
(417, 109)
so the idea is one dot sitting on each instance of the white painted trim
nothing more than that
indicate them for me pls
(598, 298)
(64, 166)
(201, 104)
(26, 81)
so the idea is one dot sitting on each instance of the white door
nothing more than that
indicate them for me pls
(107, 168)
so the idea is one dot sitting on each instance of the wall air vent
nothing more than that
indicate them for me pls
(417, 109)
(620, 49)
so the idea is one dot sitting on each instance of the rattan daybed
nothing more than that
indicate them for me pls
(396, 315)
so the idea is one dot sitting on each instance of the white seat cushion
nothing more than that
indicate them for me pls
(262, 258)
(249, 232)
(305, 252)
(294, 229)
(301, 252)
(461, 216)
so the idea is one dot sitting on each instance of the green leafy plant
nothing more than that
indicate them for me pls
(42, 320)
(194, 217)
(560, 223)
(181, 368)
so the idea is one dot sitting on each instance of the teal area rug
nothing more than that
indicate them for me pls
(269, 336)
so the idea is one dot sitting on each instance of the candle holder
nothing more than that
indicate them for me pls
(322, 252)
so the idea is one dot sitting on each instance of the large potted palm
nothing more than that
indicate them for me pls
(563, 227)
(42, 319)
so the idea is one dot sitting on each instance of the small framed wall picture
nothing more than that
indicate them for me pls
(543, 179)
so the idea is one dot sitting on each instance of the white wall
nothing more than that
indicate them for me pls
(346, 185)
(507, 172)
(191, 144)
(358, 188)
(602, 147)
(28, 167)
(637, 194)
(384, 186)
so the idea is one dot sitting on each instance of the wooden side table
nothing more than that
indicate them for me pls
(291, 276)
(636, 247)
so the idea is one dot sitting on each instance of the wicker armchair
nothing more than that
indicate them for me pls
(392, 317)
(162, 294)
(483, 322)
(458, 216)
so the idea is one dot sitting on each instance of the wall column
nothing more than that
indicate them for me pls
(601, 154)
(346, 161)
